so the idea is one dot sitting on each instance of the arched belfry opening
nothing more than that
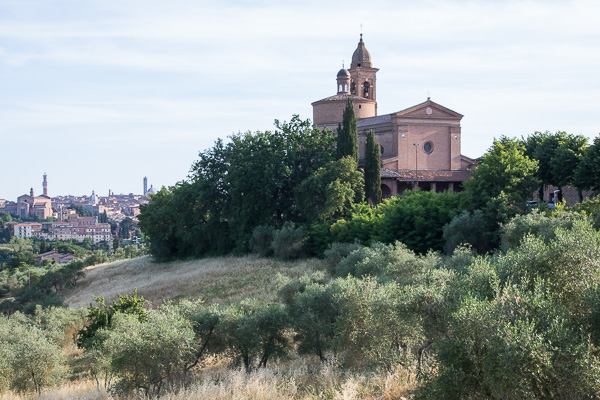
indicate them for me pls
(362, 73)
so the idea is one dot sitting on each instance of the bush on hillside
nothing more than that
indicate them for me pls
(336, 252)
(289, 242)
(262, 240)
(467, 229)
(542, 225)
(30, 357)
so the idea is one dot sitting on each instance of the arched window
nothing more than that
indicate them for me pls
(366, 87)
(340, 88)
(345, 87)
(353, 88)
(381, 149)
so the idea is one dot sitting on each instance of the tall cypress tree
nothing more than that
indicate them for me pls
(372, 169)
(347, 137)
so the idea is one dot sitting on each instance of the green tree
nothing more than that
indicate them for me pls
(417, 219)
(347, 134)
(587, 175)
(372, 169)
(149, 355)
(100, 316)
(331, 191)
(31, 361)
(504, 168)
(254, 333)
(235, 187)
(125, 228)
(566, 160)
(558, 155)
(313, 310)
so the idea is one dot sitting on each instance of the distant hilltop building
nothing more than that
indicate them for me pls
(31, 206)
(420, 145)
(148, 192)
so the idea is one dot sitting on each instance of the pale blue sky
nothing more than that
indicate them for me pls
(100, 93)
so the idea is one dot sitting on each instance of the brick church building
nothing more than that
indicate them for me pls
(420, 145)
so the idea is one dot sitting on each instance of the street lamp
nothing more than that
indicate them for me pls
(416, 171)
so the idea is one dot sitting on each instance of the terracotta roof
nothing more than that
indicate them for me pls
(433, 176)
(388, 173)
(345, 97)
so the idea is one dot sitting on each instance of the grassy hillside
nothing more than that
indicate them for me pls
(222, 280)
(214, 280)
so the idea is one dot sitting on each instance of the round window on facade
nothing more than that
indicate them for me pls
(428, 147)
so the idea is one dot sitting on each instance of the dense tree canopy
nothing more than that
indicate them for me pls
(235, 187)
(558, 155)
(505, 168)
(587, 174)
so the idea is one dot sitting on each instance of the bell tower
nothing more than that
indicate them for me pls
(45, 185)
(363, 82)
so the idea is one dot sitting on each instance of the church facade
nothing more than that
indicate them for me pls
(420, 145)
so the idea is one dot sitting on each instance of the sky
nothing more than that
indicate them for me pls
(100, 93)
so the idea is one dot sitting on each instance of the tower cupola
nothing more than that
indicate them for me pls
(343, 81)
(361, 57)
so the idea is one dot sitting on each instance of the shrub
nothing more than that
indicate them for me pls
(394, 260)
(289, 242)
(100, 317)
(30, 362)
(151, 355)
(313, 313)
(336, 252)
(536, 223)
(292, 287)
(262, 240)
(518, 345)
(254, 333)
(591, 208)
(467, 229)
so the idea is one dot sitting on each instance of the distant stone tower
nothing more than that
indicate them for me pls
(45, 185)
(145, 186)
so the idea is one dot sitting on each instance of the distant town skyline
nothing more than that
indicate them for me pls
(43, 190)
(100, 94)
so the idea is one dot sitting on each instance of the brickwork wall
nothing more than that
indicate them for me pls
(329, 113)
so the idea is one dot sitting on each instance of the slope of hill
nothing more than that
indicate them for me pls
(215, 280)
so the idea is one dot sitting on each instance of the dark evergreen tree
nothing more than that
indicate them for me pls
(587, 174)
(372, 169)
(347, 137)
(558, 155)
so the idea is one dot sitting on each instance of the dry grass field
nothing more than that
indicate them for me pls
(214, 280)
(303, 378)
